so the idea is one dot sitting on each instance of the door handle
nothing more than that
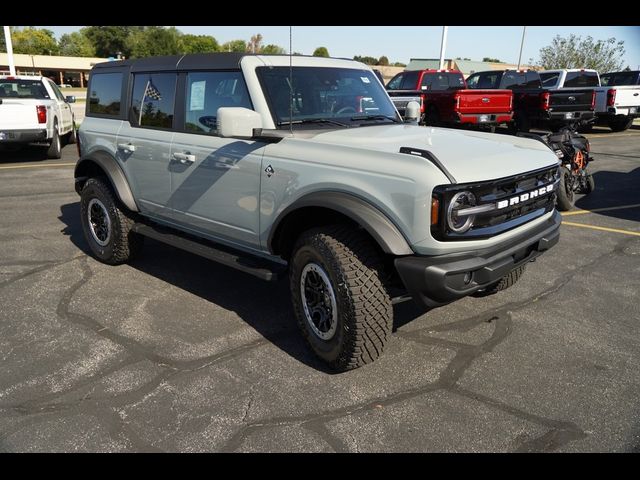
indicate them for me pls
(184, 158)
(127, 147)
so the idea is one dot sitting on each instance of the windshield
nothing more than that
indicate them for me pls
(16, 88)
(339, 96)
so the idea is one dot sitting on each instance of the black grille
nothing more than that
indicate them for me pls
(499, 220)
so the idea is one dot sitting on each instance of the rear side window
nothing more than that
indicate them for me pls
(513, 79)
(208, 91)
(410, 80)
(622, 78)
(16, 88)
(442, 81)
(105, 93)
(533, 80)
(152, 101)
(581, 79)
(549, 80)
(395, 82)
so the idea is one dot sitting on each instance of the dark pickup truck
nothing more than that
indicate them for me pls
(535, 106)
(445, 100)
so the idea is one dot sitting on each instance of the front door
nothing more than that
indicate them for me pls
(144, 141)
(215, 181)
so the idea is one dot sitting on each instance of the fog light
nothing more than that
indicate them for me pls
(467, 278)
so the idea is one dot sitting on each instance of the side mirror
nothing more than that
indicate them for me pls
(412, 112)
(70, 99)
(237, 122)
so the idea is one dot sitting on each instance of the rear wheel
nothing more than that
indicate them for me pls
(590, 183)
(72, 136)
(620, 125)
(566, 197)
(107, 225)
(340, 302)
(55, 147)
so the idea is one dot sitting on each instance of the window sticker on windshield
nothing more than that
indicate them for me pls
(197, 96)
(365, 80)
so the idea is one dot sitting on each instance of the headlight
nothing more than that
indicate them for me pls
(457, 219)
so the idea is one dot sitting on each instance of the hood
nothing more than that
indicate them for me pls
(469, 156)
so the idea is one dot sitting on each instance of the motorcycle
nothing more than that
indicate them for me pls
(574, 152)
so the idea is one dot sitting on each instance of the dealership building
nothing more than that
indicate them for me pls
(67, 71)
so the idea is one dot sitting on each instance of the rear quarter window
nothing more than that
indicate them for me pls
(105, 94)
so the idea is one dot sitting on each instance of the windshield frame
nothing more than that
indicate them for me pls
(314, 122)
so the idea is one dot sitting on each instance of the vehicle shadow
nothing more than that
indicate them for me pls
(29, 153)
(264, 306)
(614, 189)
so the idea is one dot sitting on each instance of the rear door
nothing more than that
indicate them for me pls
(215, 181)
(144, 140)
(64, 109)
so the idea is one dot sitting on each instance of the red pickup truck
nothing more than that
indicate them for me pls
(445, 99)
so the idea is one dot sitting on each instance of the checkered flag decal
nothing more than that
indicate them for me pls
(152, 92)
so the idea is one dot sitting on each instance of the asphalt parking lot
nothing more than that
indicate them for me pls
(176, 353)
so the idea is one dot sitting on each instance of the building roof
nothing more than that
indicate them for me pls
(425, 64)
(51, 62)
(468, 67)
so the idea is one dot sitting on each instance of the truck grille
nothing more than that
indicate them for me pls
(510, 202)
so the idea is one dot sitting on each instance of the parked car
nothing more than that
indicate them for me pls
(618, 100)
(575, 87)
(445, 100)
(33, 109)
(533, 105)
(273, 170)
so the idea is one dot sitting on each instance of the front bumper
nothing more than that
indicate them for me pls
(435, 281)
(483, 118)
(23, 136)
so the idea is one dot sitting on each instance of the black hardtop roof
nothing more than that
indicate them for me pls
(192, 61)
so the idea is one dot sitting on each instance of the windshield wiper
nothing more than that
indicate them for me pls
(375, 117)
(312, 120)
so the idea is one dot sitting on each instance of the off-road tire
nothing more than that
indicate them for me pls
(123, 244)
(505, 282)
(364, 309)
(620, 125)
(55, 146)
(565, 200)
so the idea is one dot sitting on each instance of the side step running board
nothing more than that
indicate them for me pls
(261, 268)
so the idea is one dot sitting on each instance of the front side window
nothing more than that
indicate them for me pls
(16, 88)
(208, 91)
(581, 79)
(485, 80)
(104, 94)
(395, 82)
(321, 94)
(152, 100)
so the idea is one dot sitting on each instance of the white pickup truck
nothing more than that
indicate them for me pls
(614, 105)
(33, 109)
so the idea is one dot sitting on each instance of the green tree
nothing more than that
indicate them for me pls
(34, 41)
(383, 60)
(198, 44)
(366, 59)
(272, 50)
(321, 52)
(574, 52)
(76, 44)
(154, 41)
(399, 64)
(489, 59)
(234, 46)
(110, 40)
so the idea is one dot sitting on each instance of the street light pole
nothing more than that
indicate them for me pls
(7, 41)
(524, 29)
(443, 46)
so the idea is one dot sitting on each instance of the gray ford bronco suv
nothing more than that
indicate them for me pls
(307, 170)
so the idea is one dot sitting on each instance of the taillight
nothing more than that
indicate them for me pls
(511, 101)
(422, 102)
(359, 103)
(457, 102)
(611, 97)
(544, 100)
(42, 113)
(593, 100)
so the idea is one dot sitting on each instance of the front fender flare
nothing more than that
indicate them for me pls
(376, 223)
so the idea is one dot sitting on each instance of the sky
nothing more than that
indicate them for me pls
(400, 44)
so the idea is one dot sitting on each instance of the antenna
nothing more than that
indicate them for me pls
(290, 79)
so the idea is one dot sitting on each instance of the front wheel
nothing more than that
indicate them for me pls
(339, 299)
(590, 183)
(566, 196)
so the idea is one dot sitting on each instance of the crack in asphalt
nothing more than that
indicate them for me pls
(561, 432)
(44, 266)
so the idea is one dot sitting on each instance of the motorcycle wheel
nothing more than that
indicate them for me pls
(566, 197)
(590, 183)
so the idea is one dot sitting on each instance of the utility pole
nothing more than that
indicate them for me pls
(524, 29)
(443, 45)
(7, 41)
